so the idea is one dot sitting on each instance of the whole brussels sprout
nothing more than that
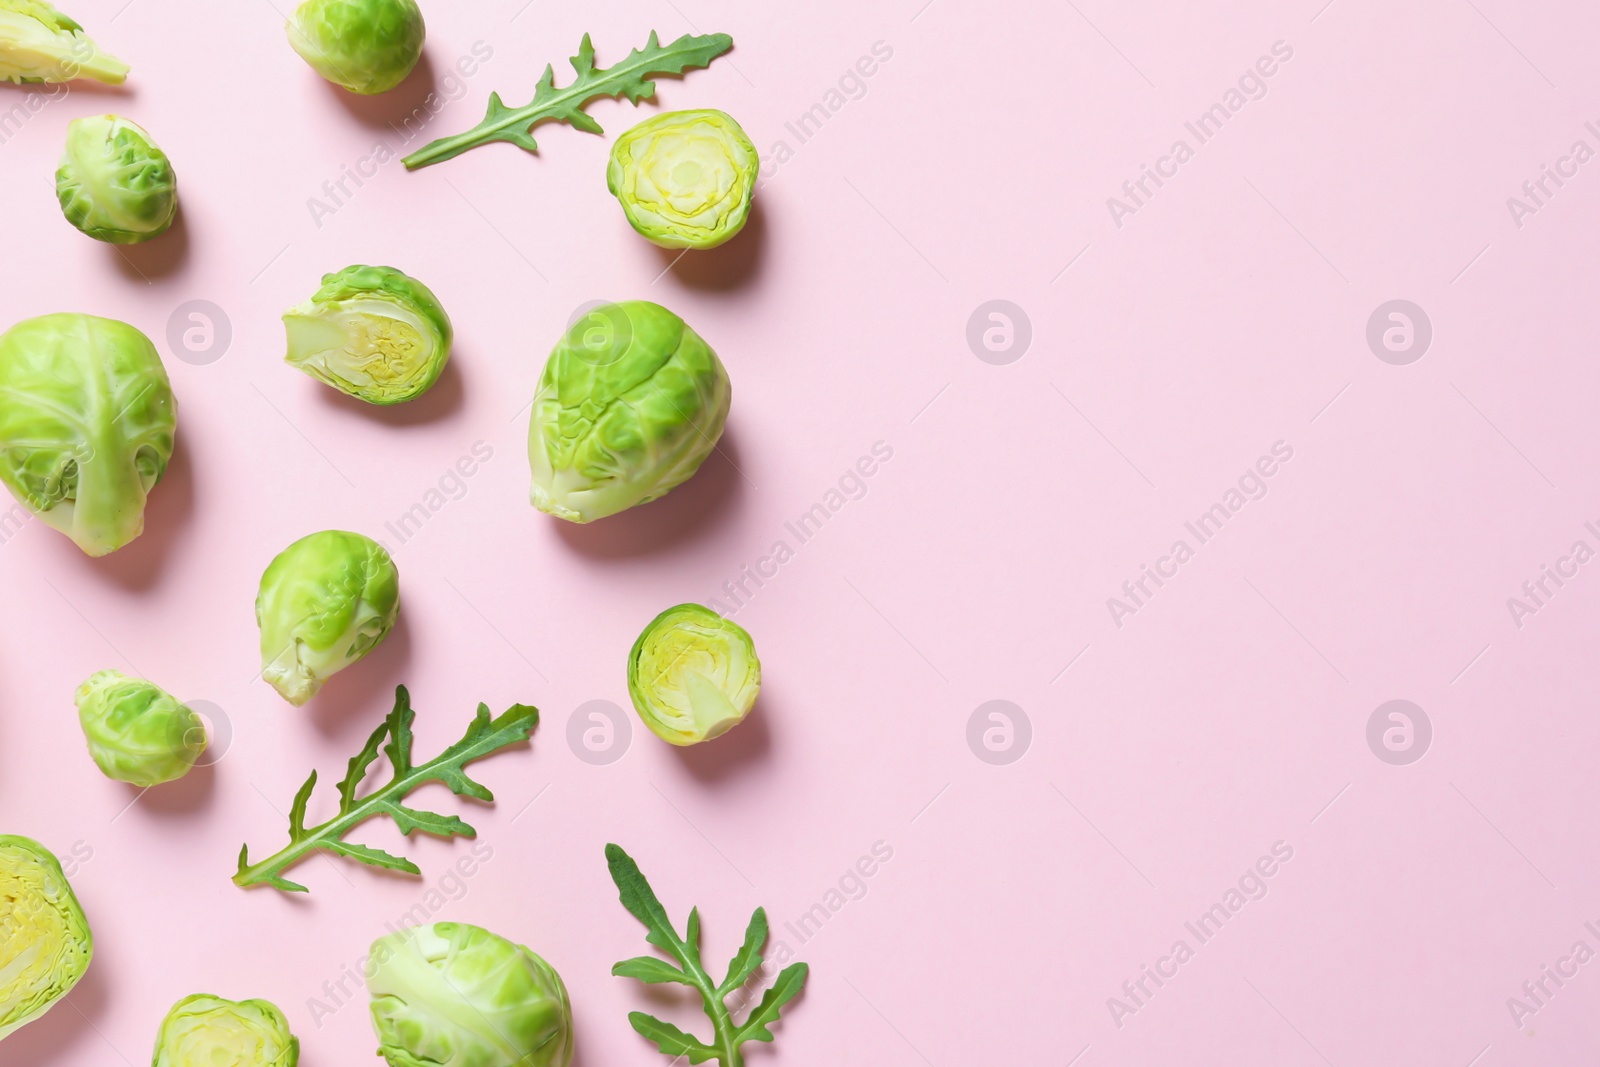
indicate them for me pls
(87, 419)
(367, 46)
(693, 675)
(685, 178)
(630, 403)
(325, 601)
(114, 184)
(137, 732)
(45, 944)
(371, 332)
(40, 44)
(207, 1031)
(453, 995)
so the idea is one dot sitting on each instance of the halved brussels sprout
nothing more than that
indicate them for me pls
(87, 420)
(114, 184)
(630, 404)
(685, 178)
(367, 46)
(693, 675)
(137, 732)
(207, 1031)
(325, 601)
(453, 995)
(45, 944)
(40, 44)
(371, 332)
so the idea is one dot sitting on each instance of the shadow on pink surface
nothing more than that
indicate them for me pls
(745, 749)
(384, 110)
(707, 498)
(155, 258)
(138, 565)
(356, 699)
(69, 1026)
(727, 267)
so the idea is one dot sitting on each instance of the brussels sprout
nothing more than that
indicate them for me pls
(693, 675)
(207, 1031)
(45, 944)
(453, 995)
(137, 732)
(114, 184)
(40, 44)
(685, 178)
(367, 46)
(630, 403)
(325, 601)
(87, 419)
(371, 332)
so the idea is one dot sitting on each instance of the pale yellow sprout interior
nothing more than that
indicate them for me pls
(694, 678)
(361, 345)
(44, 939)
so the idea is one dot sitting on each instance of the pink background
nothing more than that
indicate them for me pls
(1230, 713)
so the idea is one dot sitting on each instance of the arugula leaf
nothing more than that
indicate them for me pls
(642, 903)
(629, 78)
(484, 737)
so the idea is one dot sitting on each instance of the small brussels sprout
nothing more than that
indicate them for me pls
(367, 46)
(371, 332)
(693, 675)
(45, 944)
(207, 1031)
(87, 419)
(325, 601)
(453, 995)
(114, 184)
(630, 403)
(40, 44)
(685, 178)
(137, 732)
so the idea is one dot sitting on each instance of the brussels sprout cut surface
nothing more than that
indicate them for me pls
(45, 945)
(630, 403)
(87, 420)
(685, 178)
(137, 732)
(325, 601)
(371, 332)
(453, 995)
(208, 1031)
(40, 44)
(367, 46)
(693, 675)
(114, 184)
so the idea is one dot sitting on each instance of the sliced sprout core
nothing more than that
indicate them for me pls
(693, 675)
(45, 944)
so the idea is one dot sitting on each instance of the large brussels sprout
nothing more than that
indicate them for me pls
(137, 732)
(207, 1031)
(40, 44)
(367, 46)
(325, 601)
(630, 403)
(685, 178)
(372, 332)
(693, 675)
(45, 945)
(114, 184)
(87, 420)
(453, 995)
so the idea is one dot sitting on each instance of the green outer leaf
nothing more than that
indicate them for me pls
(670, 1040)
(652, 970)
(748, 958)
(642, 903)
(484, 737)
(790, 981)
(629, 78)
